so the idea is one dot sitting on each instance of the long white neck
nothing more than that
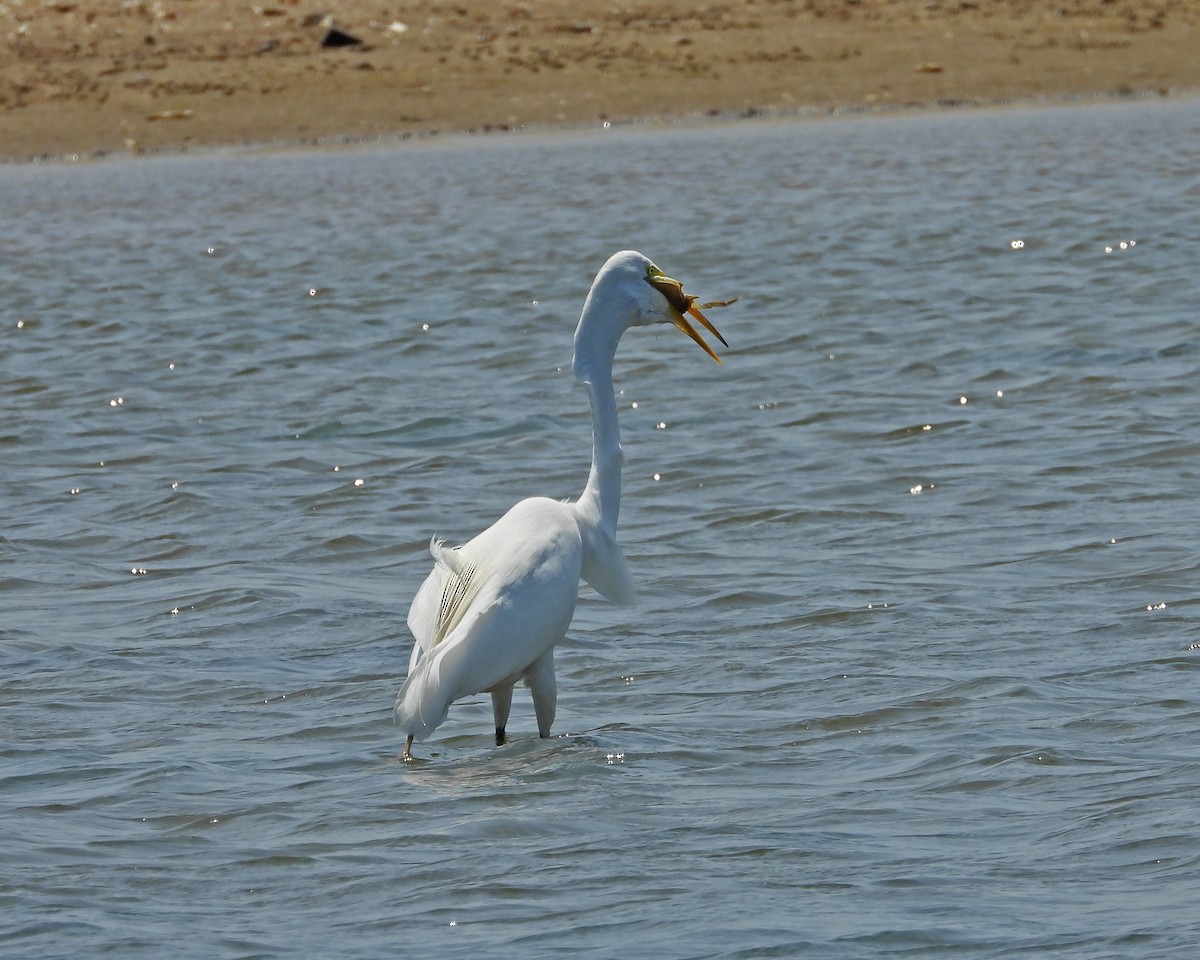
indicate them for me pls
(602, 495)
(595, 346)
(617, 300)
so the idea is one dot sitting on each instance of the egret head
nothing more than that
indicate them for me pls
(631, 291)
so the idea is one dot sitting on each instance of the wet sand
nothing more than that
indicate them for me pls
(92, 77)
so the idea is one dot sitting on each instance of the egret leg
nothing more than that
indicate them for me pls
(501, 704)
(540, 680)
(407, 754)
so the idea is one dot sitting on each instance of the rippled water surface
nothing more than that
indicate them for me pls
(915, 668)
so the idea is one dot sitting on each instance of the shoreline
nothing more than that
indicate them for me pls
(642, 123)
(91, 80)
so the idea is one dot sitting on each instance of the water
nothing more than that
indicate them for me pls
(915, 668)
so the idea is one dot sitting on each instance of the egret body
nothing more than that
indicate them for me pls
(492, 610)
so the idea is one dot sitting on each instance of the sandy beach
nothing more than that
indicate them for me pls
(87, 78)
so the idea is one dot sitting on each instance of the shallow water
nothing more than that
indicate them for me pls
(914, 669)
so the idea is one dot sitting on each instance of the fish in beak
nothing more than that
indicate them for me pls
(683, 306)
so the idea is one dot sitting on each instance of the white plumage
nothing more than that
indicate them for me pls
(492, 610)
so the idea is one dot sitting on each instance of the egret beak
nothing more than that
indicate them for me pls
(682, 306)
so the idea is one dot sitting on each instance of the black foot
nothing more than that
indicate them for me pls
(499, 736)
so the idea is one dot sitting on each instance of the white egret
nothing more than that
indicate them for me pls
(491, 611)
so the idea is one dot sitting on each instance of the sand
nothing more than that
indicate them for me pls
(88, 78)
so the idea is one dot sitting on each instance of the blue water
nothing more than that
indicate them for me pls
(915, 668)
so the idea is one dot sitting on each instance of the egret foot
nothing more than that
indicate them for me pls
(500, 738)
(407, 756)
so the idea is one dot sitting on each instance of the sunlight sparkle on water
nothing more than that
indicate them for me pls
(1007, 635)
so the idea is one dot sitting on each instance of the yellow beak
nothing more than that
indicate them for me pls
(682, 306)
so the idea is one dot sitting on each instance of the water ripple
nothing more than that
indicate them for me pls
(913, 667)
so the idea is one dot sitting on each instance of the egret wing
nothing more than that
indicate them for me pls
(490, 609)
(444, 597)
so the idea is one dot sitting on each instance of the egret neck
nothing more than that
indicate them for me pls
(595, 346)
